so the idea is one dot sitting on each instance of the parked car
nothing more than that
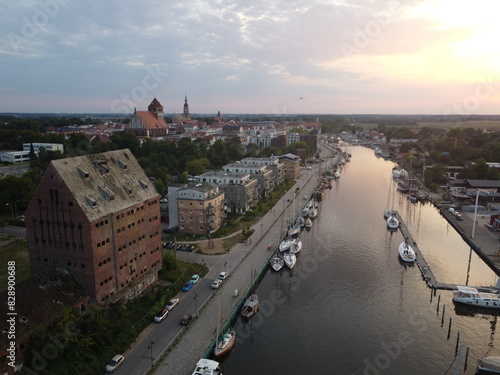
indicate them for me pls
(223, 275)
(115, 362)
(458, 216)
(172, 303)
(187, 286)
(216, 283)
(160, 315)
(186, 319)
(194, 279)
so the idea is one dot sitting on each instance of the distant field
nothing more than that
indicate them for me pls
(462, 125)
(480, 124)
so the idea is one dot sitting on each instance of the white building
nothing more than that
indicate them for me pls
(46, 146)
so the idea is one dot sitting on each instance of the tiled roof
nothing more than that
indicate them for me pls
(150, 121)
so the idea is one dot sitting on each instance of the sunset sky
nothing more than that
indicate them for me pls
(251, 56)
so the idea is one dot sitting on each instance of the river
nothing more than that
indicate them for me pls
(351, 307)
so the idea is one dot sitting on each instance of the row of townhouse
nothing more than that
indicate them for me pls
(236, 188)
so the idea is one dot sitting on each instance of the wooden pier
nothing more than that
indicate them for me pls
(424, 268)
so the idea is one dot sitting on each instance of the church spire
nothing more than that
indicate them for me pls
(186, 108)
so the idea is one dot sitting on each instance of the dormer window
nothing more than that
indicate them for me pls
(143, 184)
(83, 173)
(91, 202)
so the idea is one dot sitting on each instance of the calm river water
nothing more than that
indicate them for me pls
(351, 307)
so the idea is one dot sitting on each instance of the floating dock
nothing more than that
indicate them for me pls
(422, 264)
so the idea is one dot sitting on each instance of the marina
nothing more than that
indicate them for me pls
(339, 266)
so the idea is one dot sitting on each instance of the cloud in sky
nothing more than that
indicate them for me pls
(357, 56)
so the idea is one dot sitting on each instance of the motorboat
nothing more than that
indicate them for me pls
(285, 244)
(290, 259)
(250, 307)
(296, 246)
(471, 296)
(403, 173)
(277, 262)
(392, 222)
(490, 364)
(387, 213)
(207, 367)
(406, 252)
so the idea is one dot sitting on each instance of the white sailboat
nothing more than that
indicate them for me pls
(277, 262)
(296, 246)
(300, 221)
(225, 342)
(392, 222)
(285, 244)
(207, 367)
(406, 252)
(308, 224)
(290, 259)
(471, 296)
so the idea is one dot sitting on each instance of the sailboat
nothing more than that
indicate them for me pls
(308, 223)
(406, 252)
(392, 222)
(285, 244)
(300, 221)
(296, 246)
(277, 262)
(290, 259)
(225, 342)
(250, 307)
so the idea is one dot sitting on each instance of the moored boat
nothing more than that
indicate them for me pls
(296, 246)
(392, 222)
(225, 344)
(471, 296)
(406, 252)
(293, 230)
(285, 244)
(308, 224)
(207, 367)
(490, 364)
(290, 259)
(250, 307)
(277, 262)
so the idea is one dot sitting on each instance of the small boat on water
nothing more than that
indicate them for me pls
(471, 296)
(395, 172)
(296, 246)
(305, 212)
(285, 244)
(277, 262)
(489, 365)
(294, 230)
(387, 213)
(313, 212)
(250, 307)
(406, 252)
(308, 224)
(225, 344)
(290, 259)
(207, 367)
(392, 222)
(300, 221)
(402, 187)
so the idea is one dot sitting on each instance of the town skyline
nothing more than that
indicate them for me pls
(326, 57)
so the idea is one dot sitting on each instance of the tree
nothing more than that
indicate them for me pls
(197, 166)
(481, 169)
(217, 154)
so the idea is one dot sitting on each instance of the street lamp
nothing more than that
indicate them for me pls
(195, 305)
(261, 229)
(11, 208)
(15, 207)
(225, 263)
(475, 211)
(151, 349)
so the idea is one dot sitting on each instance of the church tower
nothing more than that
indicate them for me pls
(185, 112)
(156, 108)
